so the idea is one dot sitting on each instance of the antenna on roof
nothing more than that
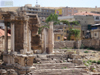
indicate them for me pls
(36, 2)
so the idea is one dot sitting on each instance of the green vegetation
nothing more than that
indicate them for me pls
(93, 52)
(64, 67)
(89, 62)
(94, 61)
(74, 23)
(73, 71)
(65, 48)
(84, 61)
(65, 22)
(85, 47)
(70, 23)
(64, 61)
(40, 28)
(98, 62)
(86, 52)
(74, 32)
(82, 46)
(93, 69)
(53, 18)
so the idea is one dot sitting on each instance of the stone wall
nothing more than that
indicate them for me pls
(68, 44)
(94, 43)
(2, 43)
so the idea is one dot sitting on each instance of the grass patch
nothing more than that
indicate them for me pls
(94, 61)
(64, 67)
(98, 62)
(86, 52)
(65, 48)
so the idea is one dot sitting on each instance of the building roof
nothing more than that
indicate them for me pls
(96, 24)
(2, 33)
(87, 13)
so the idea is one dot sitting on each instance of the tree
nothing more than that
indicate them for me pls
(54, 18)
(74, 32)
(74, 23)
(65, 22)
(41, 28)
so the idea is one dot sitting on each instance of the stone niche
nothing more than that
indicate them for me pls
(36, 44)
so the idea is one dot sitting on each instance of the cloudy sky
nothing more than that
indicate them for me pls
(54, 3)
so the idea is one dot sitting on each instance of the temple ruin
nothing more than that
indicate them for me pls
(32, 53)
(25, 40)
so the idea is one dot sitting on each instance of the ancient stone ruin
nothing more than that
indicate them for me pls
(25, 41)
(34, 54)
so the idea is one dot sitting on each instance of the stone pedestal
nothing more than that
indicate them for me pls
(24, 63)
(8, 59)
(3, 72)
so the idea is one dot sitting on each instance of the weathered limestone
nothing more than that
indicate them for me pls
(20, 57)
(48, 39)
(25, 44)
(24, 38)
(6, 39)
(12, 37)
(45, 40)
(51, 38)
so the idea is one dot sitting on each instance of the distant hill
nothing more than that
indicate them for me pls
(80, 9)
(14, 9)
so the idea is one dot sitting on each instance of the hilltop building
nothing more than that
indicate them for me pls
(85, 19)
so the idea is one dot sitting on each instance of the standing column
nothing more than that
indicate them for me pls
(6, 40)
(25, 37)
(28, 38)
(50, 38)
(12, 37)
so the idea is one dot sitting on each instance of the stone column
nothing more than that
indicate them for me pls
(44, 40)
(6, 40)
(50, 38)
(12, 37)
(25, 37)
(29, 40)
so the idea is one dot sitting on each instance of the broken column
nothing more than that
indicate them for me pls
(45, 40)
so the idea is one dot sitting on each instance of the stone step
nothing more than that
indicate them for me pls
(53, 65)
(70, 71)
(92, 73)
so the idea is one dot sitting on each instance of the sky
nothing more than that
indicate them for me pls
(55, 3)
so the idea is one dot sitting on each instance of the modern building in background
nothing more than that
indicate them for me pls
(1, 22)
(85, 19)
(59, 12)
(61, 32)
(66, 11)
(68, 18)
(97, 12)
(58, 33)
(66, 29)
(95, 31)
(42, 12)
